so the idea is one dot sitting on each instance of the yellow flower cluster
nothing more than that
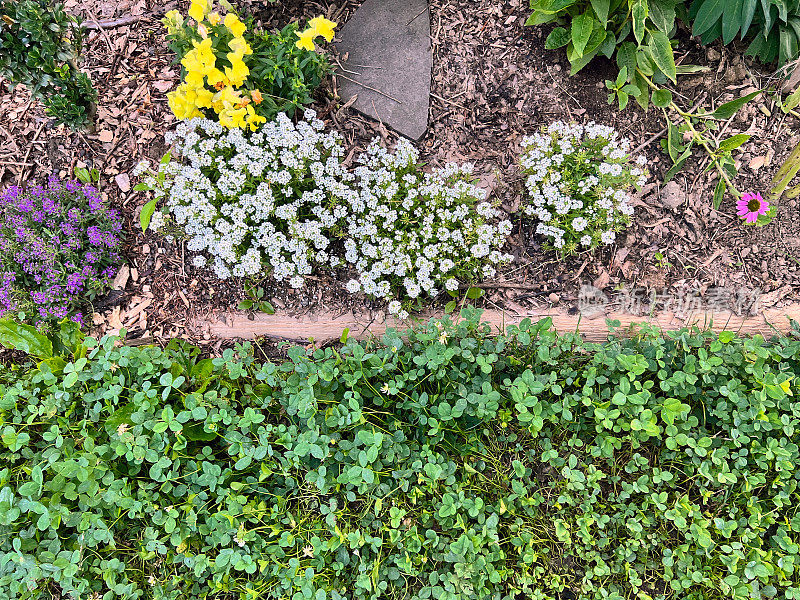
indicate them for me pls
(318, 26)
(234, 109)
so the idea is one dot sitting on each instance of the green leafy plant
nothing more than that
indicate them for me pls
(688, 130)
(440, 463)
(39, 47)
(773, 25)
(636, 33)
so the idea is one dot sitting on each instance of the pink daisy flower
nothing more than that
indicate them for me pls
(751, 206)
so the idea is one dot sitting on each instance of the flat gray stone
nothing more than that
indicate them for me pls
(389, 61)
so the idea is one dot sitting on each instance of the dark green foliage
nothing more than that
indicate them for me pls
(637, 34)
(39, 45)
(772, 25)
(446, 465)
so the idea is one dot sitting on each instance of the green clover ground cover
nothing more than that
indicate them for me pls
(446, 464)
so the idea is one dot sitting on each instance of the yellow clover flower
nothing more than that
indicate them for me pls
(233, 23)
(323, 27)
(306, 41)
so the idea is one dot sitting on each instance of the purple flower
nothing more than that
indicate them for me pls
(58, 243)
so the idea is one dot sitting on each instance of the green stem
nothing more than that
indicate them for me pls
(696, 137)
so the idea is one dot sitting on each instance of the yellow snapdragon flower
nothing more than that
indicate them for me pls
(185, 101)
(214, 18)
(237, 73)
(233, 23)
(306, 41)
(323, 27)
(199, 9)
(173, 21)
(199, 62)
(240, 46)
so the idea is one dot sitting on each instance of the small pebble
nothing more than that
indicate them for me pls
(146, 249)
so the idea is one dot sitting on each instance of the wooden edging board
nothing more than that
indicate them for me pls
(323, 327)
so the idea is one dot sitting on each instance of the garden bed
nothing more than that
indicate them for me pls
(493, 83)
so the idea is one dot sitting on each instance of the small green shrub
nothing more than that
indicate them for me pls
(39, 45)
(445, 464)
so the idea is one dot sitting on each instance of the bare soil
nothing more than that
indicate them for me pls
(493, 83)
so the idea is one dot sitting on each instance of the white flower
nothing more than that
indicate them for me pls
(576, 180)
(608, 237)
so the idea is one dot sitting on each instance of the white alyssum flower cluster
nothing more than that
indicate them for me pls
(577, 178)
(280, 201)
(419, 232)
(268, 198)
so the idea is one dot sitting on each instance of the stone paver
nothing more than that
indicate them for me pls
(389, 63)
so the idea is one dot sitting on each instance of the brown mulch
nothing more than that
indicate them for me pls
(493, 83)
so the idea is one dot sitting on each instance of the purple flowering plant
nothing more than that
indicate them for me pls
(59, 249)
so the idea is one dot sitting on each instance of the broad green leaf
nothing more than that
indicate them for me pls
(626, 58)
(662, 98)
(661, 53)
(25, 338)
(709, 14)
(558, 37)
(474, 293)
(639, 14)
(146, 214)
(662, 14)
(731, 19)
(582, 27)
(733, 142)
(197, 433)
(727, 110)
(601, 10)
(120, 416)
(450, 307)
(748, 12)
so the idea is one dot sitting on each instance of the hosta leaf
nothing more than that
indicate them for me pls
(731, 19)
(708, 15)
